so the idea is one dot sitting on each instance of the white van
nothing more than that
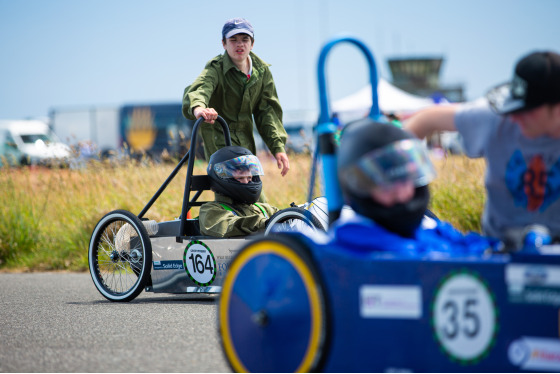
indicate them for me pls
(30, 142)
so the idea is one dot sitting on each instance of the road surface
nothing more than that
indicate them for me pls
(59, 322)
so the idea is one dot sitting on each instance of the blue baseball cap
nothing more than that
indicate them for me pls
(236, 26)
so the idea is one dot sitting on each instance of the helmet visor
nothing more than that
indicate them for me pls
(246, 165)
(399, 162)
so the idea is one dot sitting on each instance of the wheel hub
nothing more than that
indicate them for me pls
(260, 318)
(114, 256)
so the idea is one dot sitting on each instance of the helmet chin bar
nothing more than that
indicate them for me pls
(402, 219)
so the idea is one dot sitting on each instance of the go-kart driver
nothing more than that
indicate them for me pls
(234, 174)
(384, 173)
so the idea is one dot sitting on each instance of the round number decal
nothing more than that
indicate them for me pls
(464, 317)
(199, 263)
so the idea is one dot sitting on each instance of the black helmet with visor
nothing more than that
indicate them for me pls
(374, 154)
(232, 162)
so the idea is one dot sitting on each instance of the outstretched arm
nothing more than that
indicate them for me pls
(268, 118)
(430, 120)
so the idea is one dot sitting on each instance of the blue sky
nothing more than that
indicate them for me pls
(74, 53)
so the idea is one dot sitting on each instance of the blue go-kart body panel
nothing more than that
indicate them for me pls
(387, 313)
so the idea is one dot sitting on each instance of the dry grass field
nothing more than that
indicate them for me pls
(47, 215)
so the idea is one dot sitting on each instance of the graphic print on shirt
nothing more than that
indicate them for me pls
(532, 184)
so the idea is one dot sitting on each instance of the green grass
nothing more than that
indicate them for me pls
(47, 215)
(458, 194)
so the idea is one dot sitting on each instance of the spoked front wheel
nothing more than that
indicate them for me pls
(120, 256)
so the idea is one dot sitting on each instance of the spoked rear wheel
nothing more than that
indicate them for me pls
(292, 219)
(120, 256)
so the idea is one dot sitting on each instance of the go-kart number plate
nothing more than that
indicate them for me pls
(464, 317)
(199, 263)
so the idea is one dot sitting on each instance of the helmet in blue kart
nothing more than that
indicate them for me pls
(375, 156)
(235, 172)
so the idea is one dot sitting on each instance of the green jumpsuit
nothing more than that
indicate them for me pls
(225, 218)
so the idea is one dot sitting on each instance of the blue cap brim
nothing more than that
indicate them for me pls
(238, 31)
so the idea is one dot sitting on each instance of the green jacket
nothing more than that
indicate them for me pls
(225, 218)
(226, 89)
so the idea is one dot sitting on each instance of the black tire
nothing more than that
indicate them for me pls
(288, 215)
(273, 315)
(120, 256)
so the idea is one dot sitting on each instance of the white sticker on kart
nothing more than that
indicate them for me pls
(390, 301)
(199, 263)
(535, 354)
(464, 317)
(533, 284)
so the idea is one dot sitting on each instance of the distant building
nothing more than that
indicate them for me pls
(420, 76)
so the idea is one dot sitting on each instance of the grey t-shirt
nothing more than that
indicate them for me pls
(522, 175)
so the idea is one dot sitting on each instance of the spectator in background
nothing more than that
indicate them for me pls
(516, 128)
(238, 86)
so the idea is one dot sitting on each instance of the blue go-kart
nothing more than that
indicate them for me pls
(292, 304)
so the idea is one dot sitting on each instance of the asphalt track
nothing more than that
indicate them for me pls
(59, 322)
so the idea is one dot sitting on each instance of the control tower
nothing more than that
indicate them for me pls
(420, 76)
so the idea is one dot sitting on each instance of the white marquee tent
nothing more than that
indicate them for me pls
(391, 100)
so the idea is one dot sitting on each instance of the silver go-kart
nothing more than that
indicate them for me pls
(129, 253)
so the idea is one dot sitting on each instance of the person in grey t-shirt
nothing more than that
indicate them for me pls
(516, 128)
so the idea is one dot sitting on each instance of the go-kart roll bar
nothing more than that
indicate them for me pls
(326, 146)
(190, 166)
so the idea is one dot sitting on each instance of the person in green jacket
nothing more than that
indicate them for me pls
(234, 174)
(238, 86)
